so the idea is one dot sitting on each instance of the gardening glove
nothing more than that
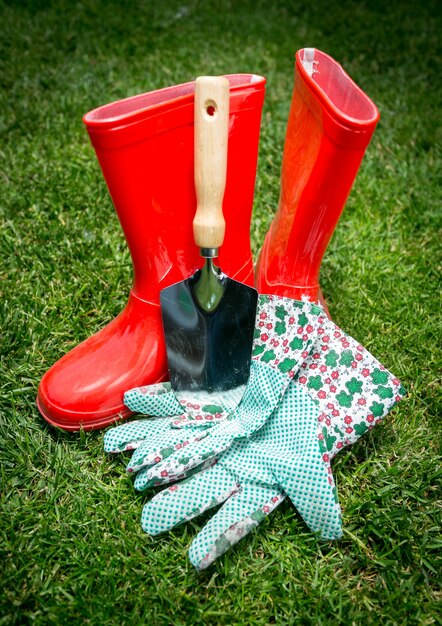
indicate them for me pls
(285, 331)
(339, 393)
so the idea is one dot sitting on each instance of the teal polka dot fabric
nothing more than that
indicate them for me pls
(282, 457)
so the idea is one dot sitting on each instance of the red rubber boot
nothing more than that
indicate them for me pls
(145, 148)
(330, 124)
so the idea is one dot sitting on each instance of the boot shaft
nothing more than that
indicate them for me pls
(330, 124)
(145, 148)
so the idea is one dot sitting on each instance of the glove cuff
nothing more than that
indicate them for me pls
(285, 331)
(353, 389)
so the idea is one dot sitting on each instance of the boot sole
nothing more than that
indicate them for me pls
(87, 425)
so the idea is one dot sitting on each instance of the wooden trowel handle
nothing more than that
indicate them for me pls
(211, 134)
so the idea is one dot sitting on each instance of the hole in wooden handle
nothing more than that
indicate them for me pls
(210, 108)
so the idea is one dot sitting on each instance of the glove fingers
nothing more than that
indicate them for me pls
(155, 400)
(200, 445)
(143, 482)
(160, 442)
(311, 488)
(159, 400)
(242, 512)
(186, 500)
(131, 435)
(207, 408)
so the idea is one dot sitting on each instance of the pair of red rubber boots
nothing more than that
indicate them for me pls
(144, 145)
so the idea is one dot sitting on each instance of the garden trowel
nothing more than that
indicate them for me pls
(209, 318)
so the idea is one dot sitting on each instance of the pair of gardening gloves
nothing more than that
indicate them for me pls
(312, 391)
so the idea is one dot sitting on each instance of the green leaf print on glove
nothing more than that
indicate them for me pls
(349, 396)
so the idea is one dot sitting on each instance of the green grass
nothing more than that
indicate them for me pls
(72, 550)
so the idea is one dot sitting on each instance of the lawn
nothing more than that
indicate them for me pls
(72, 550)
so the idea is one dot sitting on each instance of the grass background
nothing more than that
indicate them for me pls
(72, 550)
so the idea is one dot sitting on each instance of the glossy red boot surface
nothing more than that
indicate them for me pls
(330, 124)
(145, 148)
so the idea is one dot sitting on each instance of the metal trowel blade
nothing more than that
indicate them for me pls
(209, 353)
